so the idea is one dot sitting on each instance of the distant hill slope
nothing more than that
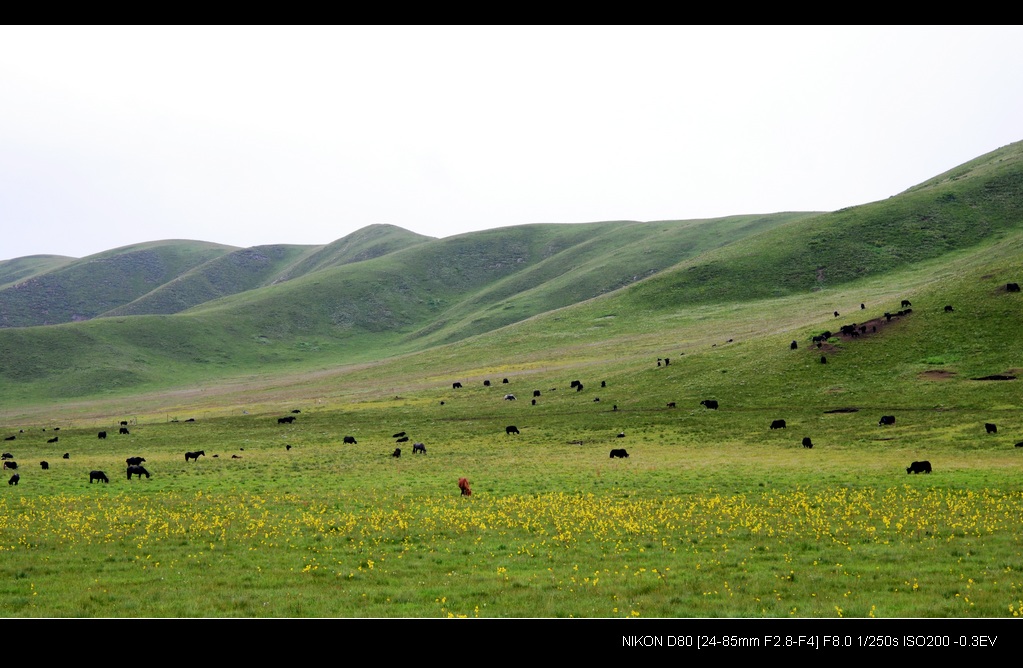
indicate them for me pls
(568, 265)
(85, 288)
(382, 291)
(170, 276)
(449, 289)
(364, 244)
(250, 268)
(23, 268)
(962, 208)
(237, 271)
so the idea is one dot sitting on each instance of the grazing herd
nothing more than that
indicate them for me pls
(853, 331)
(134, 463)
(850, 330)
(135, 468)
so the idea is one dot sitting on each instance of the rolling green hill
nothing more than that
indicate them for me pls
(237, 271)
(251, 268)
(977, 202)
(83, 289)
(23, 268)
(364, 244)
(168, 277)
(518, 300)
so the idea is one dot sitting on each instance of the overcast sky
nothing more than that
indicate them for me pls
(111, 136)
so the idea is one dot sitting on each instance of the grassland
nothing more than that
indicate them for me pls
(713, 514)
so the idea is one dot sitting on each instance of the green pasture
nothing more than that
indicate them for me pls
(702, 520)
(713, 513)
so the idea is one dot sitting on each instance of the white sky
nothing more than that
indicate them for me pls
(111, 136)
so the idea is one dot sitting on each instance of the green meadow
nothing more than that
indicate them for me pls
(712, 515)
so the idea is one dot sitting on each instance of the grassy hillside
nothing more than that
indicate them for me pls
(406, 300)
(22, 268)
(363, 244)
(251, 268)
(234, 272)
(739, 353)
(457, 287)
(586, 262)
(168, 277)
(979, 201)
(486, 286)
(83, 289)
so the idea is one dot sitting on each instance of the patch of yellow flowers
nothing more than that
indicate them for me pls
(554, 519)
